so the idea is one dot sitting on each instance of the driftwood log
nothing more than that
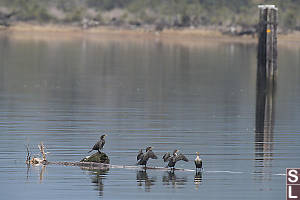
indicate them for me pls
(97, 158)
(95, 161)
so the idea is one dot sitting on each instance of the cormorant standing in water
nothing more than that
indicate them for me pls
(143, 158)
(198, 162)
(174, 158)
(99, 145)
(140, 155)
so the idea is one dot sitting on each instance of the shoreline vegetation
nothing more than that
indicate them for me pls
(205, 34)
(178, 20)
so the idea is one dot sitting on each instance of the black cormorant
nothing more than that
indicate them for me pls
(140, 155)
(99, 145)
(174, 158)
(198, 162)
(143, 158)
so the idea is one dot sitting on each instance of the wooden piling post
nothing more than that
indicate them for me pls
(266, 83)
(266, 77)
(267, 42)
(266, 68)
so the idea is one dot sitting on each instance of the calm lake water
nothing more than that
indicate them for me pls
(201, 97)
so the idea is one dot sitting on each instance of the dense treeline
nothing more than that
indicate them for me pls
(165, 13)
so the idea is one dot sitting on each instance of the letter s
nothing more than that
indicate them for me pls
(293, 173)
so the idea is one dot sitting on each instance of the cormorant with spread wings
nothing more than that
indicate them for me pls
(174, 158)
(143, 158)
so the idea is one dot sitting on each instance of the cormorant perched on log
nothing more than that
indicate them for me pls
(174, 158)
(198, 162)
(99, 145)
(143, 158)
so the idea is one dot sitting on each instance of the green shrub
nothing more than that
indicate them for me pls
(75, 16)
(289, 20)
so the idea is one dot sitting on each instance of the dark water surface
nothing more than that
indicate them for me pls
(66, 93)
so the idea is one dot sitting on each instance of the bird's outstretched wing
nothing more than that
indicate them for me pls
(141, 161)
(140, 155)
(166, 157)
(150, 154)
(181, 157)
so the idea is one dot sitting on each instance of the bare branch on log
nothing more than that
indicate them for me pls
(42, 150)
(28, 155)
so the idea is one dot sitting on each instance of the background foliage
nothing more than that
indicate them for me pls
(152, 12)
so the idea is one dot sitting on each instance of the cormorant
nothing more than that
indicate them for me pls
(143, 158)
(198, 162)
(174, 158)
(99, 145)
(140, 155)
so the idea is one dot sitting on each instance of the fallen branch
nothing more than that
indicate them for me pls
(95, 161)
(28, 155)
(42, 150)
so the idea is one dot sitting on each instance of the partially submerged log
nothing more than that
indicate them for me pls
(83, 165)
(97, 158)
(95, 161)
(36, 160)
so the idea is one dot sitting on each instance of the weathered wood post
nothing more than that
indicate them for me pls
(266, 82)
(266, 66)
(267, 42)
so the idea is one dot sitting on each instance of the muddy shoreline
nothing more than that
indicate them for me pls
(187, 35)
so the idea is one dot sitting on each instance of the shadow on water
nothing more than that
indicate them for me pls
(264, 124)
(97, 179)
(170, 178)
(142, 177)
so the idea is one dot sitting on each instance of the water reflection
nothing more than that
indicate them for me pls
(264, 124)
(97, 178)
(142, 177)
(27, 172)
(170, 178)
(42, 170)
(198, 179)
(144, 94)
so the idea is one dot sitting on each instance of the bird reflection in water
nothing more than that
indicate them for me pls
(142, 177)
(198, 179)
(170, 178)
(97, 179)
